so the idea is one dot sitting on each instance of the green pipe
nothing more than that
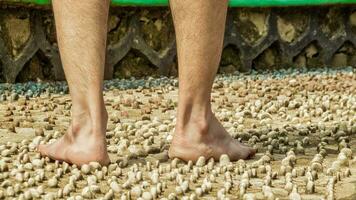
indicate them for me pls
(232, 3)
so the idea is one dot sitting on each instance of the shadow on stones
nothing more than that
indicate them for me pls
(39, 68)
(134, 64)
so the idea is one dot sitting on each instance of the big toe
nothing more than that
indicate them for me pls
(50, 151)
(242, 151)
(43, 149)
(251, 153)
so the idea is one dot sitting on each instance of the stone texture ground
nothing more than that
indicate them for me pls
(303, 125)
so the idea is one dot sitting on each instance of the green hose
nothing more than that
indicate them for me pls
(233, 3)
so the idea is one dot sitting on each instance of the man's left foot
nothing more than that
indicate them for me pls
(207, 138)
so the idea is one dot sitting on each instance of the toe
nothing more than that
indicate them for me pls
(170, 154)
(42, 149)
(46, 151)
(252, 153)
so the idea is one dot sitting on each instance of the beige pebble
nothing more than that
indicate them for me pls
(267, 192)
(288, 186)
(115, 187)
(53, 182)
(6, 153)
(347, 152)
(38, 163)
(39, 132)
(310, 187)
(94, 165)
(224, 160)
(147, 196)
(60, 193)
(85, 169)
(249, 196)
(95, 189)
(294, 195)
(17, 188)
(109, 195)
(154, 177)
(86, 193)
(27, 194)
(10, 191)
(201, 161)
(40, 189)
(178, 190)
(227, 186)
(99, 175)
(49, 196)
(199, 192)
(172, 196)
(136, 191)
(68, 188)
(347, 172)
(185, 186)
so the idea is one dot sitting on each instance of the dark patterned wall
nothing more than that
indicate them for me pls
(141, 41)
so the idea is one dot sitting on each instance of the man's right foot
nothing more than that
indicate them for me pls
(77, 151)
(80, 145)
(208, 139)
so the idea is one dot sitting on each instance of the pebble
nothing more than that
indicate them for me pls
(224, 160)
(199, 192)
(109, 195)
(310, 187)
(37, 163)
(201, 161)
(115, 187)
(10, 192)
(294, 195)
(39, 132)
(49, 196)
(27, 194)
(185, 186)
(68, 188)
(147, 196)
(53, 182)
(267, 193)
(136, 191)
(249, 196)
(85, 169)
(86, 193)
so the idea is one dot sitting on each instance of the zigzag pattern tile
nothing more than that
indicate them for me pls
(134, 40)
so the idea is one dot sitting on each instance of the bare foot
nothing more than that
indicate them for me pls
(210, 140)
(80, 145)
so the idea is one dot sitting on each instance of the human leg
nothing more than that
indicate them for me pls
(199, 27)
(81, 31)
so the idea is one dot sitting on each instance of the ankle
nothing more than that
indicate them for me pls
(194, 121)
(93, 121)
